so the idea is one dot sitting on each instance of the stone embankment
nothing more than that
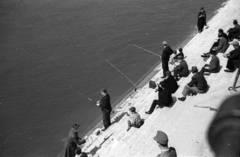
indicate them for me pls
(185, 123)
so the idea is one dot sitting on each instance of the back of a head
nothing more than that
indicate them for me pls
(235, 22)
(132, 109)
(164, 43)
(103, 90)
(224, 131)
(194, 69)
(220, 30)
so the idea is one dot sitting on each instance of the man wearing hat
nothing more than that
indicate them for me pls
(214, 65)
(233, 57)
(162, 139)
(182, 69)
(166, 53)
(164, 98)
(198, 84)
(234, 33)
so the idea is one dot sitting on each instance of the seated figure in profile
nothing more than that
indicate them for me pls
(177, 53)
(134, 119)
(182, 69)
(213, 66)
(164, 98)
(198, 84)
(234, 33)
(170, 82)
(233, 58)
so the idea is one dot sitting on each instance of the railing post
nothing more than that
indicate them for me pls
(235, 81)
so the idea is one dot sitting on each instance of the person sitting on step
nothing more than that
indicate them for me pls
(170, 82)
(213, 66)
(234, 33)
(233, 57)
(220, 46)
(79, 153)
(177, 53)
(134, 119)
(164, 98)
(198, 84)
(182, 69)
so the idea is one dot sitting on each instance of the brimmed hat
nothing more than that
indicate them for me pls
(235, 43)
(161, 138)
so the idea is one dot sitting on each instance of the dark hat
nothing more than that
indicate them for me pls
(194, 69)
(220, 30)
(163, 84)
(235, 22)
(161, 138)
(132, 109)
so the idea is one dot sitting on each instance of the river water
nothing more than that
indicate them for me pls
(50, 49)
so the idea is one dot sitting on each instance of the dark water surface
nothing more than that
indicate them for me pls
(47, 46)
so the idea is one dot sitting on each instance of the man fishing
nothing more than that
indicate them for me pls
(106, 108)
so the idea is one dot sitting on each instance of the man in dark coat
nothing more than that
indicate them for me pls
(214, 65)
(182, 69)
(234, 33)
(106, 108)
(164, 98)
(202, 17)
(162, 139)
(167, 52)
(198, 84)
(170, 82)
(73, 141)
(233, 57)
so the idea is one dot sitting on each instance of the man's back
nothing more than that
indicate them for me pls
(171, 84)
(214, 65)
(199, 81)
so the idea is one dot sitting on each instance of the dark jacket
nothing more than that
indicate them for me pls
(71, 143)
(183, 67)
(164, 96)
(214, 65)
(170, 153)
(222, 45)
(105, 104)
(199, 81)
(235, 53)
(202, 20)
(171, 84)
(235, 31)
(167, 52)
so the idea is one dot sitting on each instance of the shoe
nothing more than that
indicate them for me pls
(104, 129)
(182, 99)
(163, 77)
(229, 71)
(147, 112)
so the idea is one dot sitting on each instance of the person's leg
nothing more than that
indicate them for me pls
(164, 67)
(185, 92)
(105, 121)
(109, 118)
(230, 65)
(129, 125)
(154, 104)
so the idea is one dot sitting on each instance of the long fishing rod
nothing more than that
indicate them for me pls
(146, 50)
(123, 75)
(82, 95)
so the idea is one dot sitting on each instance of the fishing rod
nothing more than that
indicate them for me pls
(146, 50)
(123, 75)
(82, 94)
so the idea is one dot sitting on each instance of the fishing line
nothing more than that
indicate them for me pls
(146, 50)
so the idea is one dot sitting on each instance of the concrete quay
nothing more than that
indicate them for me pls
(184, 123)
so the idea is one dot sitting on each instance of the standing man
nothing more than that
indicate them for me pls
(162, 139)
(202, 17)
(106, 108)
(167, 51)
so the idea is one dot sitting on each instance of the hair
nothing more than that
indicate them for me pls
(104, 90)
(220, 30)
(235, 22)
(180, 49)
(78, 151)
(194, 69)
(132, 109)
(75, 126)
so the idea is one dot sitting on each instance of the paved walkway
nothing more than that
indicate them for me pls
(185, 123)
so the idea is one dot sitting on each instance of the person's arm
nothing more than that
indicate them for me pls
(220, 45)
(193, 81)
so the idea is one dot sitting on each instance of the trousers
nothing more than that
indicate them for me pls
(188, 90)
(106, 119)
(165, 67)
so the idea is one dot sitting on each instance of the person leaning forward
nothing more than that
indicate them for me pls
(164, 98)
(106, 108)
(198, 84)
(171, 83)
(182, 69)
(162, 139)
(233, 58)
(166, 53)
(134, 119)
(213, 66)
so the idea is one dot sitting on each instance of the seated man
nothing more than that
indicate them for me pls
(214, 65)
(198, 84)
(182, 69)
(170, 82)
(223, 33)
(164, 98)
(233, 57)
(135, 119)
(234, 33)
(220, 46)
(177, 53)
(79, 153)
